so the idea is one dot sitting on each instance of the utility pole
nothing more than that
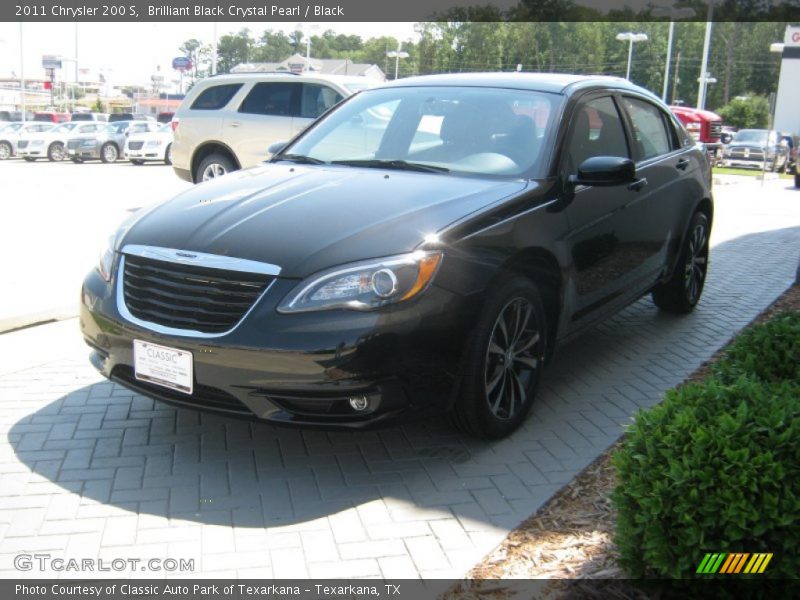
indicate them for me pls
(22, 74)
(675, 78)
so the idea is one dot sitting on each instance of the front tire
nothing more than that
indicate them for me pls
(682, 292)
(168, 155)
(6, 151)
(213, 166)
(503, 361)
(56, 152)
(109, 153)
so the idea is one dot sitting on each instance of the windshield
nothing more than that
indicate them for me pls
(758, 136)
(467, 130)
(63, 128)
(357, 86)
(118, 127)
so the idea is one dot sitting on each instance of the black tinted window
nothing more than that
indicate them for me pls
(270, 99)
(215, 97)
(316, 99)
(596, 131)
(82, 117)
(649, 133)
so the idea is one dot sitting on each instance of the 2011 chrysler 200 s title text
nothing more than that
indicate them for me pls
(423, 246)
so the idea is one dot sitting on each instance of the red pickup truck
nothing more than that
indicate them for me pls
(704, 126)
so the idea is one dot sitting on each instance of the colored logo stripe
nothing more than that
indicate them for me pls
(733, 563)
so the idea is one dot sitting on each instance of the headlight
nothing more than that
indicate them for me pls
(153, 143)
(106, 261)
(365, 285)
(37, 142)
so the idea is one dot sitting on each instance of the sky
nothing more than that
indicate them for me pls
(132, 51)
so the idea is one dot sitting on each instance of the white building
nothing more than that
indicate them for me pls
(787, 103)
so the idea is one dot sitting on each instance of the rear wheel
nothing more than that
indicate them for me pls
(5, 150)
(682, 292)
(56, 152)
(109, 153)
(213, 166)
(503, 361)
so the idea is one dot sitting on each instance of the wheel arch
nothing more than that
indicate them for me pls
(209, 148)
(541, 266)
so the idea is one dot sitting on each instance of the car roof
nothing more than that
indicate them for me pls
(557, 83)
(236, 77)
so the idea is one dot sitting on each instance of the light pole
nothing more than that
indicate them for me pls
(397, 55)
(22, 75)
(631, 38)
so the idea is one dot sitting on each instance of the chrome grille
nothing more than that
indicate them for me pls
(715, 130)
(135, 145)
(187, 296)
(73, 144)
(22, 144)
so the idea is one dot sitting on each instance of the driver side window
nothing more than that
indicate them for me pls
(596, 131)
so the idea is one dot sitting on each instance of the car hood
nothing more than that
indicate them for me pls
(756, 145)
(308, 218)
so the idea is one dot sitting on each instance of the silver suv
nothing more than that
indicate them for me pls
(226, 122)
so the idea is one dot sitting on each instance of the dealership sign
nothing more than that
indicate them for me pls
(51, 61)
(182, 63)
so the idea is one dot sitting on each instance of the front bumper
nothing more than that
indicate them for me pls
(144, 154)
(84, 152)
(300, 369)
(745, 163)
(32, 152)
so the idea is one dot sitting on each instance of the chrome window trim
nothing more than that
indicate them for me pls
(157, 253)
(201, 259)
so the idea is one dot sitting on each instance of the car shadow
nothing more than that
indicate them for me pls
(116, 447)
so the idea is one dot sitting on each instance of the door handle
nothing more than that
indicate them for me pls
(682, 164)
(234, 124)
(638, 184)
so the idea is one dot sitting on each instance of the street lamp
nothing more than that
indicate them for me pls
(397, 55)
(631, 38)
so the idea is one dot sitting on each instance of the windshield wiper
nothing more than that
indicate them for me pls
(401, 165)
(300, 158)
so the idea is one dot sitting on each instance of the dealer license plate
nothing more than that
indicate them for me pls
(164, 366)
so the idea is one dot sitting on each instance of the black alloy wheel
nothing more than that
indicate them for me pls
(682, 292)
(503, 361)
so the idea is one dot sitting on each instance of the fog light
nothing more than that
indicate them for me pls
(359, 403)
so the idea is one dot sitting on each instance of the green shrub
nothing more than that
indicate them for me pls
(716, 466)
(769, 352)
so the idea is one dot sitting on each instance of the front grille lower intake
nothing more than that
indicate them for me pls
(189, 297)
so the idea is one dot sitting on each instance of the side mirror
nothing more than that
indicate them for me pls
(276, 147)
(604, 171)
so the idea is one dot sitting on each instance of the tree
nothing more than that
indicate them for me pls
(233, 50)
(199, 53)
(750, 112)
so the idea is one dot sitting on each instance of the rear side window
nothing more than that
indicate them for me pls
(215, 97)
(81, 117)
(649, 133)
(316, 99)
(274, 99)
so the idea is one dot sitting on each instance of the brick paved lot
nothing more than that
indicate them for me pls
(89, 469)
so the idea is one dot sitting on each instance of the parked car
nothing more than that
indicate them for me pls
(154, 145)
(51, 117)
(422, 247)
(756, 149)
(107, 144)
(88, 116)
(13, 116)
(51, 144)
(225, 123)
(10, 135)
(792, 143)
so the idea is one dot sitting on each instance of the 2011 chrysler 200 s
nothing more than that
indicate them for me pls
(421, 247)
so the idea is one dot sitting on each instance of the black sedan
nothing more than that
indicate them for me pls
(421, 248)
